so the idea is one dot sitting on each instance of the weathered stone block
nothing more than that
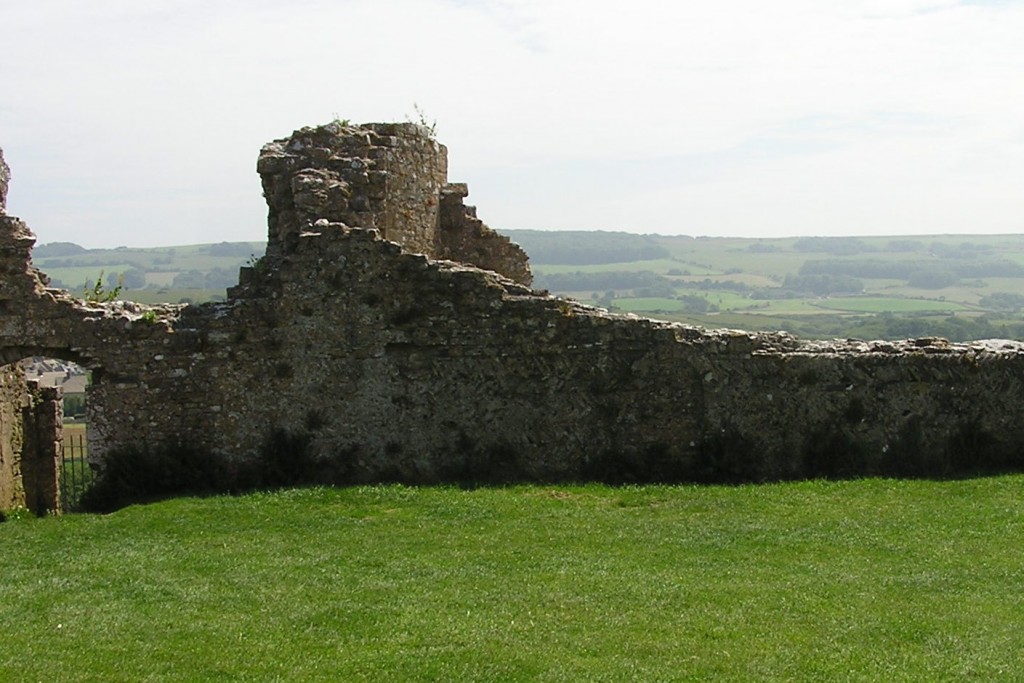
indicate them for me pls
(5, 177)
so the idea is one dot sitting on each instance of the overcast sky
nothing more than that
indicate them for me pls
(138, 122)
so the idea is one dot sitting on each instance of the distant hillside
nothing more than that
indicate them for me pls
(196, 273)
(583, 248)
(957, 286)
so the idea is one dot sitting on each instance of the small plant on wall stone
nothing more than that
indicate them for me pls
(97, 293)
(422, 120)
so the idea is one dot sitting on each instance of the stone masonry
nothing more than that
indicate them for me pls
(391, 177)
(389, 327)
(13, 392)
(5, 177)
(31, 436)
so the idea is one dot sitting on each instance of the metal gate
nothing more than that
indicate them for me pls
(75, 473)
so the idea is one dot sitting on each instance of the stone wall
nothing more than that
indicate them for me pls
(43, 446)
(13, 391)
(5, 176)
(386, 362)
(31, 436)
(464, 238)
(387, 176)
(427, 361)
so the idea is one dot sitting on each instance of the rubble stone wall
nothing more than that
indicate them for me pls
(43, 445)
(5, 176)
(390, 359)
(387, 176)
(31, 437)
(465, 238)
(13, 391)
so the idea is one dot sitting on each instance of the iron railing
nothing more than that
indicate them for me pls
(75, 473)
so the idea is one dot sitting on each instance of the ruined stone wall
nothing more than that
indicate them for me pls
(13, 391)
(425, 364)
(388, 363)
(5, 177)
(117, 341)
(464, 238)
(384, 176)
(41, 459)
(392, 177)
(424, 361)
(31, 436)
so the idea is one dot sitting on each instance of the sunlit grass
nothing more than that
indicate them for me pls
(868, 580)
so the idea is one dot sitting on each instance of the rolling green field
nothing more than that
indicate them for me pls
(870, 580)
(190, 273)
(958, 286)
(875, 304)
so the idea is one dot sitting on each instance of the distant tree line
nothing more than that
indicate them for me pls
(1003, 301)
(956, 328)
(800, 286)
(708, 284)
(215, 278)
(58, 249)
(587, 248)
(924, 274)
(239, 249)
(964, 250)
(850, 246)
(613, 279)
(840, 246)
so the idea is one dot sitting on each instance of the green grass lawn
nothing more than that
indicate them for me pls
(872, 580)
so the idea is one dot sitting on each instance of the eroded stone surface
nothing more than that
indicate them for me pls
(31, 433)
(361, 329)
(5, 177)
(13, 392)
(387, 176)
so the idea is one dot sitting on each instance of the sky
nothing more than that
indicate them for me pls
(138, 123)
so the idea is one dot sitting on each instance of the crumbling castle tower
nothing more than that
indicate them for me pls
(390, 177)
(5, 177)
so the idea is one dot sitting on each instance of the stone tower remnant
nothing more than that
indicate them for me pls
(398, 336)
(5, 178)
(391, 177)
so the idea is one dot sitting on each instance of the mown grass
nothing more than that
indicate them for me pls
(870, 580)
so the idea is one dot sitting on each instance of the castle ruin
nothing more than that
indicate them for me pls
(388, 325)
